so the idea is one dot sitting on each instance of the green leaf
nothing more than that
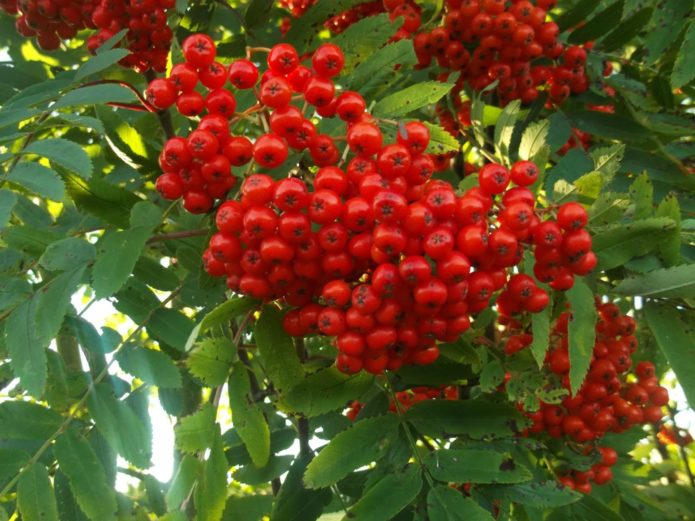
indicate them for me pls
(196, 431)
(305, 28)
(211, 492)
(684, 68)
(152, 273)
(28, 239)
(123, 429)
(642, 195)
(249, 508)
(627, 30)
(225, 312)
(388, 496)
(295, 502)
(571, 167)
(599, 25)
(670, 245)
(87, 478)
(67, 154)
(27, 348)
(282, 365)
(668, 21)
(11, 461)
(578, 13)
(257, 13)
(475, 466)
(117, 253)
(544, 494)
(360, 40)
(67, 253)
(619, 244)
(440, 140)
(477, 419)
(210, 360)
(673, 334)
(534, 139)
(150, 366)
(582, 332)
(182, 482)
(504, 128)
(53, 302)
(540, 327)
(38, 179)
(252, 475)
(379, 70)
(106, 201)
(247, 416)
(13, 291)
(411, 98)
(35, 497)
(491, 376)
(101, 61)
(171, 327)
(610, 126)
(359, 445)
(677, 282)
(7, 201)
(96, 94)
(145, 213)
(446, 504)
(27, 421)
(326, 390)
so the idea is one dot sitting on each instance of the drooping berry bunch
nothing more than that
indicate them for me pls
(489, 40)
(610, 400)
(409, 397)
(51, 21)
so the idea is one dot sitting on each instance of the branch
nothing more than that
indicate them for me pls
(177, 235)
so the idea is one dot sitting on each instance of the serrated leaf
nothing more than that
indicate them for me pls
(610, 126)
(67, 253)
(226, 311)
(101, 61)
(257, 12)
(673, 334)
(87, 478)
(13, 291)
(504, 128)
(543, 494)
(581, 333)
(249, 508)
(97, 197)
(252, 475)
(477, 419)
(378, 70)
(326, 390)
(359, 445)
(210, 360)
(150, 366)
(627, 30)
(63, 152)
(125, 431)
(27, 421)
(117, 253)
(38, 179)
(182, 481)
(388, 496)
(152, 273)
(618, 244)
(35, 497)
(7, 201)
(571, 167)
(491, 376)
(27, 348)
(282, 365)
(578, 13)
(446, 504)
(540, 327)
(642, 194)
(305, 28)
(599, 25)
(295, 502)
(475, 466)
(171, 327)
(196, 431)
(670, 246)
(211, 491)
(247, 417)
(533, 139)
(96, 94)
(667, 24)
(53, 301)
(440, 140)
(684, 68)
(411, 98)
(361, 39)
(11, 461)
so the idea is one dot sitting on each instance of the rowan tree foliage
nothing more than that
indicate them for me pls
(406, 260)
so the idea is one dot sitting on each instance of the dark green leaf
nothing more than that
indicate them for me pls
(104, 200)
(13, 291)
(376, 71)
(171, 327)
(475, 466)
(544, 494)
(38, 179)
(599, 25)
(359, 445)
(540, 327)
(210, 360)
(446, 504)
(87, 478)
(477, 419)
(248, 508)
(101, 61)
(252, 475)
(571, 167)
(305, 28)
(196, 431)
(27, 421)
(627, 30)
(642, 195)
(152, 367)
(668, 21)
(676, 282)
(182, 481)
(326, 390)
(677, 342)
(53, 302)
(411, 98)
(117, 253)
(578, 13)
(247, 416)
(619, 244)
(684, 68)
(155, 275)
(211, 492)
(11, 461)
(610, 126)
(67, 253)
(257, 12)
(360, 40)
(67, 154)
(7, 201)
(282, 365)
(670, 245)
(582, 332)
(388, 496)
(35, 497)
(27, 347)
(295, 502)
(28, 239)
(96, 94)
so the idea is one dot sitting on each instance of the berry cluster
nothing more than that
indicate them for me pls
(488, 40)
(51, 21)
(610, 400)
(409, 397)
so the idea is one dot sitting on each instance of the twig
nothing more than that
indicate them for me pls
(177, 235)
(681, 447)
